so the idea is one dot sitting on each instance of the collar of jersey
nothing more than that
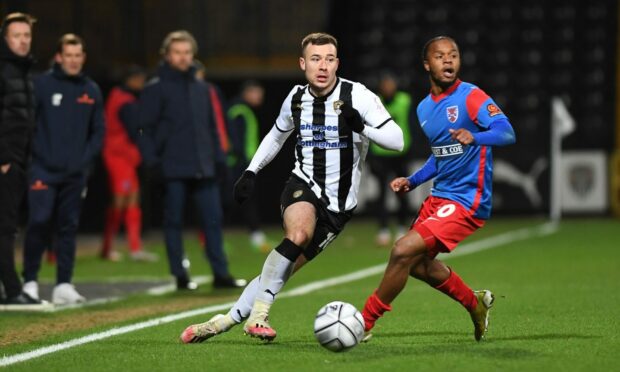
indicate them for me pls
(447, 92)
(325, 97)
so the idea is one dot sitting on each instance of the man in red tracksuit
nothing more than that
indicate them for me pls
(121, 158)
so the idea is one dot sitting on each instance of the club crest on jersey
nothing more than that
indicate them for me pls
(452, 112)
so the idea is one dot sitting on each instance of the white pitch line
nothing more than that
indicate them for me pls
(465, 249)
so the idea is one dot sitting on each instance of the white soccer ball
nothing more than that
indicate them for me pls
(338, 326)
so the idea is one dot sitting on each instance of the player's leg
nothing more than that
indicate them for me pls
(444, 232)
(116, 209)
(299, 223)
(406, 253)
(221, 323)
(113, 218)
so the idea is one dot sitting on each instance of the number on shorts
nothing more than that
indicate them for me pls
(446, 210)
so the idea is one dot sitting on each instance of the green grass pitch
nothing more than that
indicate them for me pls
(557, 308)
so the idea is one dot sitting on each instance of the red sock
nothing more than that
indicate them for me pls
(459, 291)
(373, 310)
(112, 223)
(133, 226)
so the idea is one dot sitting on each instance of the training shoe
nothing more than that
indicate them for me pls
(229, 282)
(65, 294)
(112, 256)
(184, 283)
(480, 315)
(143, 256)
(258, 326)
(31, 288)
(204, 331)
(367, 336)
(384, 238)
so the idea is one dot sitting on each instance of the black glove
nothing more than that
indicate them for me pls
(352, 118)
(244, 186)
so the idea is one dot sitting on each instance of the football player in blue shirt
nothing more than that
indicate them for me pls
(462, 123)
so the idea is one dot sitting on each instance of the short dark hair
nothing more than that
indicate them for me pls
(17, 17)
(69, 39)
(432, 41)
(318, 38)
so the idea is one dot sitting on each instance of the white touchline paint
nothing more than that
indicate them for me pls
(465, 249)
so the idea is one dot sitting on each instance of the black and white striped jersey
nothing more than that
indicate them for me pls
(328, 156)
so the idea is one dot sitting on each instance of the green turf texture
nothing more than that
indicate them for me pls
(557, 309)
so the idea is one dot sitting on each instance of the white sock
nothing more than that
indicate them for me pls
(241, 309)
(276, 271)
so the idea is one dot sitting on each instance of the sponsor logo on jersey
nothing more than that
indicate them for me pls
(448, 150)
(493, 109)
(452, 112)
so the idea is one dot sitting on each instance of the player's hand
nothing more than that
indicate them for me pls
(400, 185)
(461, 135)
(244, 186)
(352, 118)
(4, 168)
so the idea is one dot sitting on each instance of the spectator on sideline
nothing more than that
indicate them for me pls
(69, 134)
(385, 163)
(121, 159)
(179, 135)
(16, 130)
(245, 135)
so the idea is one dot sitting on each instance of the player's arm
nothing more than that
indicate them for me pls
(267, 150)
(500, 133)
(428, 171)
(389, 136)
(495, 129)
(380, 128)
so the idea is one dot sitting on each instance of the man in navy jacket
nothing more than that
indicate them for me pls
(69, 134)
(179, 135)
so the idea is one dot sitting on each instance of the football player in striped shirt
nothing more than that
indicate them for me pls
(462, 123)
(333, 120)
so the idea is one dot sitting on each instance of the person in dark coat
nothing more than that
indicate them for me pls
(179, 136)
(69, 134)
(16, 128)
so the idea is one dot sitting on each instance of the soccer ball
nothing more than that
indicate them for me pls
(338, 326)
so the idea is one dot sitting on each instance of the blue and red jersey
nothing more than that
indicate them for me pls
(464, 172)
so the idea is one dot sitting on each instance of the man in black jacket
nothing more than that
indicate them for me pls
(16, 128)
(179, 135)
(69, 134)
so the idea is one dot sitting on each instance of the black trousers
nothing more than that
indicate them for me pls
(12, 189)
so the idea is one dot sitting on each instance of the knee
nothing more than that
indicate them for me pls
(300, 237)
(402, 252)
(39, 221)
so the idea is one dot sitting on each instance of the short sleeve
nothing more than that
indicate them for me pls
(370, 107)
(481, 108)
